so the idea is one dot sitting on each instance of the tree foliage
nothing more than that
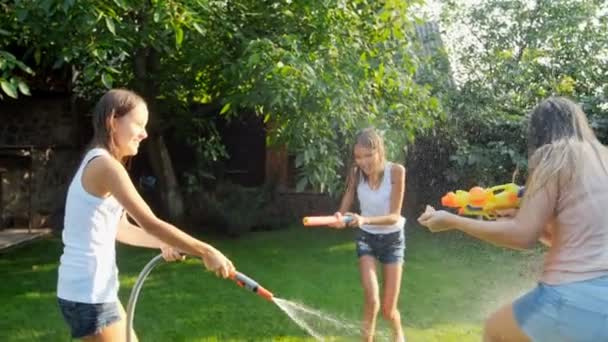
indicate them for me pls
(315, 71)
(513, 55)
(328, 69)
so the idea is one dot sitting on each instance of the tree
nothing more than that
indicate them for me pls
(10, 67)
(103, 43)
(315, 70)
(518, 53)
(324, 69)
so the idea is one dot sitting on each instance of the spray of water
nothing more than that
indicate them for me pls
(291, 310)
(320, 325)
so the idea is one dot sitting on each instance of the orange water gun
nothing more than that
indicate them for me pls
(484, 201)
(316, 221)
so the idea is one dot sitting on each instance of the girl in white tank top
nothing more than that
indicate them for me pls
(379, 187)
(99, 197)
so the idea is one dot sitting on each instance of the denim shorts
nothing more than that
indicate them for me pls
(87, 319)
(573, 312)
(387, 248)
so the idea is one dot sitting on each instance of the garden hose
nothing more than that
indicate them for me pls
(241, 279)
(135, 291)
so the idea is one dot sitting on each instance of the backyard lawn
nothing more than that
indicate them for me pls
(451, 283)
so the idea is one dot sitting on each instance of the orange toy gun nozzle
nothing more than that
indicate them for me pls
(250, 284)
(449, 200)
(314, 221)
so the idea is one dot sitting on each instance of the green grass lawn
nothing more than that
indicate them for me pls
(451, 283)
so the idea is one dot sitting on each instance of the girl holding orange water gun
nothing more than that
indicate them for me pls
(564, 206)
(379, 186)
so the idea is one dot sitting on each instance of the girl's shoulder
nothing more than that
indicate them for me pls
(93, 153)
(105, 162)
(397, 172)
(97, 170)
(396, 169)
(101, 166)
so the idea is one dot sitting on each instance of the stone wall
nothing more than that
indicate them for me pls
(40, 141)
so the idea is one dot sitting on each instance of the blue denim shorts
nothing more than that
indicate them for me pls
(573, 312)
(387, 248)
(87, 319)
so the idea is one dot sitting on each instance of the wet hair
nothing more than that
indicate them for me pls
(367, 138)
(558, 137)
(115, 103)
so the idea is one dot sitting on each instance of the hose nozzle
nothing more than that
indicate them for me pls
(250, 284)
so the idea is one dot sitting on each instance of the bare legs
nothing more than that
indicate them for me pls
(115, 332)
(371, 305)
(371, 301)
(502, 327)
(392, 285)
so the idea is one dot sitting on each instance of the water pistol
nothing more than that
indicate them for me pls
(484, 201)
(316, 221)
(245, 282)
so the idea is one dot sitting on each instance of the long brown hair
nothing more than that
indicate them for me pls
(559, 138)
(368, 138)
(113, 104)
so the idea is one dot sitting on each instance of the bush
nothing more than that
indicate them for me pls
(234, 210)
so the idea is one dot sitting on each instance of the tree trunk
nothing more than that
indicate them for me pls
(170, 196)
(277, 166)
(171, 200)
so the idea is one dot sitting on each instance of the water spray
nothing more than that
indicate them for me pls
(239, 278)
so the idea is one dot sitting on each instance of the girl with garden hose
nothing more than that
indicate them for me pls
(379, 186)
(99, 198)
(564, 206)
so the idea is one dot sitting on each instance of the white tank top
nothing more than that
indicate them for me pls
(87, 268)
(378, 203)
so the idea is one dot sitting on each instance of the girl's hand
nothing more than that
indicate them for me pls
(216, 262)
(435, 220)
(356, 221)
(171, 254)
(339, 221)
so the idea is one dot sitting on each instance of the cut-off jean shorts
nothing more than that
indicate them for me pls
(572, 312)
(86, 319)
(386, 248)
